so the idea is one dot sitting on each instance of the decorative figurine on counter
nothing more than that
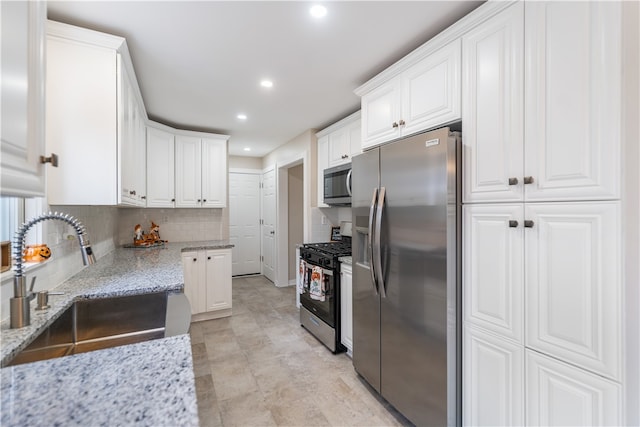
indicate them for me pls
(145, 240)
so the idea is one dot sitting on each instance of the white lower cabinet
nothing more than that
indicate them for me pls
(346, 306)
(493, 380)
(559, 394)
(207, 282)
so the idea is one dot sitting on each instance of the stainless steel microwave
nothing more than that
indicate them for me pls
(337, 185)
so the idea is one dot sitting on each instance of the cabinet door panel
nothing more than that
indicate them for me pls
(493, 380)
(493, 272)
(193, 269)
(346, 306)
(573, 283)
(573, 93)
(380, 109)
(160, 169)
(492, 122)
(562, 395)
(23, 104)
(339, 148)
(431, 92)
(355, 139)
(188, 172)
(214, 173)
(218, 280)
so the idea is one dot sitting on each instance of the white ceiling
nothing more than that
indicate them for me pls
(200, 63)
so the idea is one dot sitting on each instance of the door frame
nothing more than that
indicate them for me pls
(282, 213)
(266, 169)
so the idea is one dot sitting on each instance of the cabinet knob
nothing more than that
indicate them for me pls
(513, 181)
(528, 223)
(401, 123)
(528, 180)
(208, 257)
(143, 197)
(173, 200)
(195, 259)
(272, 232)
(204, 200)
(53, 159)
(513, 223)
(198, 200)
(394, 125)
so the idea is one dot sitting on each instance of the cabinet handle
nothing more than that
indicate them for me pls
(401, 122)
(394, 125)
(204, 200)
(513, 181)
(132, 193)
(53, 159)
(143, 197)
(208, 257)
(198, 200)
(513, 223)
(528, 180)
(528, 223)
(195, 259)
(173, 200)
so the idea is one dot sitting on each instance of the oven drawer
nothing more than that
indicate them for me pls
(325, 333)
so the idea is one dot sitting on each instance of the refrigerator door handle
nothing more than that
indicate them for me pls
(372, 212)
(378, 258)
(349, 182)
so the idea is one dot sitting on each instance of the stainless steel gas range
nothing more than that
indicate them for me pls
(320, 290)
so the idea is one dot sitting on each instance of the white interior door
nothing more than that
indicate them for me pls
(244, 222)
(269, 224)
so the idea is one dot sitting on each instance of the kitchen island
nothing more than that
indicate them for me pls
(149, 383)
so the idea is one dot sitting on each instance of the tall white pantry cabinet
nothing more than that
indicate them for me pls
(542, 263)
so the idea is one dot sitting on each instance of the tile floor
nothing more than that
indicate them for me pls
(259, 367)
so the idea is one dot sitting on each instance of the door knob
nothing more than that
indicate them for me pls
(53, 159)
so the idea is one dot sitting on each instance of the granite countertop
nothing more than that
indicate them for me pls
(345, 260)
(148, 370)
(147, 384)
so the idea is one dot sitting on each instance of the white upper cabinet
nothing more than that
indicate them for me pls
(23, 98)
(201, 171)
(573, 100)
(160, 169)
(557, 137)
(493, 108)
(573, 283)
(95, 120)
(337, 144)
(214, 173)
(424, 96)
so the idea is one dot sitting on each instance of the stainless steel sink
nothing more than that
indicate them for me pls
(109, 322)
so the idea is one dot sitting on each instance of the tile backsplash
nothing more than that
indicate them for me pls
(176, 225)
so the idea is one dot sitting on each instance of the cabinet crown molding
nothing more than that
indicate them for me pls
(74, 34)
(455, 31)
(339, 124)
(183, 132)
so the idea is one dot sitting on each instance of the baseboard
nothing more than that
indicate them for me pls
(211, 315)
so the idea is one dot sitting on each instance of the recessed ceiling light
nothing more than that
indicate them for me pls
(266, 83)
(242, 116)
(318, 11)
(247, 149)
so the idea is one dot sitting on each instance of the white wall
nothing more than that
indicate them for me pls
(240, 162)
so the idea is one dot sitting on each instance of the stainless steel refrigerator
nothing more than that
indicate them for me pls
(406, 274)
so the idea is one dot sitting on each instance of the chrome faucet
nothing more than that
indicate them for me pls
(19, 304)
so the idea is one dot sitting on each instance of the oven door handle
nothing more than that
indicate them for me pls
(372, 213)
